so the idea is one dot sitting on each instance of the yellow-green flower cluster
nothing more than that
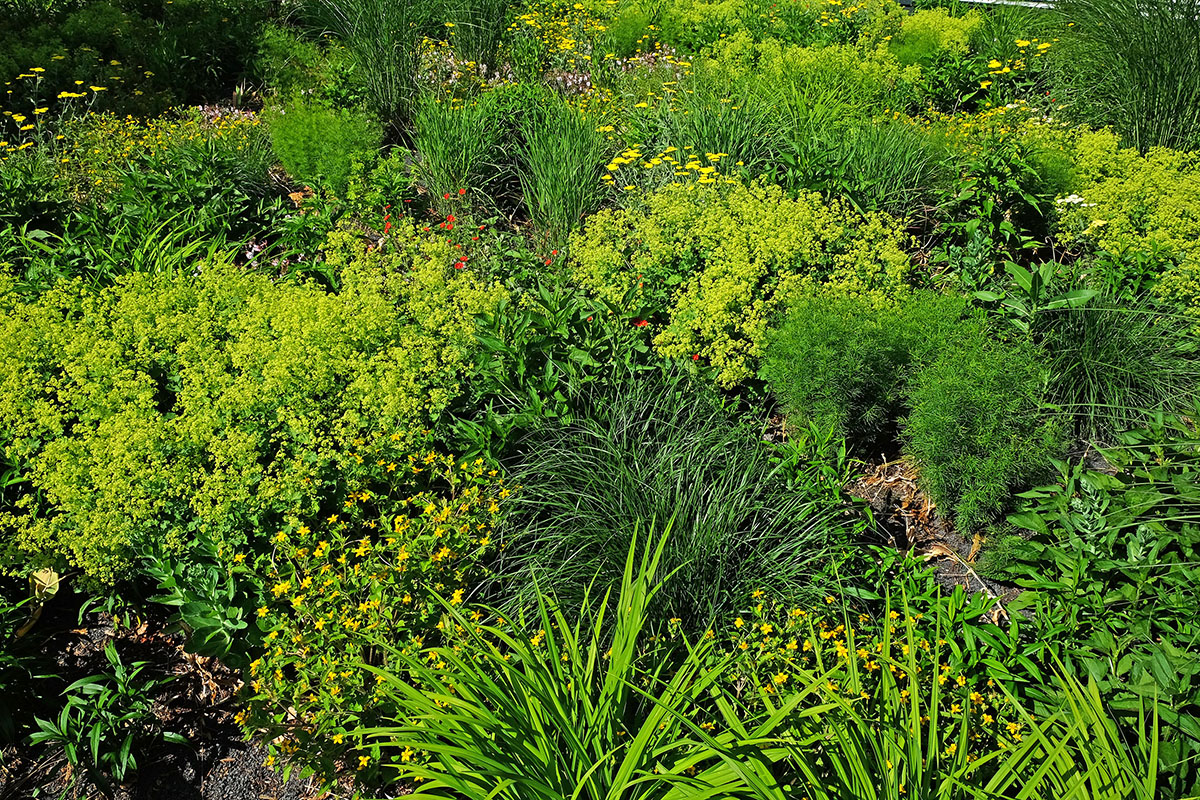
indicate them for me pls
(702, 169)
(96, 146)
(414, 529)
(715, 263)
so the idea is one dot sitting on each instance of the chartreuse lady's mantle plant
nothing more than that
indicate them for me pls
(217, 405)
(713, 265)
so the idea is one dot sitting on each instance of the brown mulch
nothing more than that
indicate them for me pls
(909, 520)
(218, 763)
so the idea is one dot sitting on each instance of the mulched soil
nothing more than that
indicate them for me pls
(909, 520)
(217, 764)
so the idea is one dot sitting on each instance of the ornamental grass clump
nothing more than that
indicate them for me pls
(573, 701)
(1134, 64)
(562, 157)
(655, 450)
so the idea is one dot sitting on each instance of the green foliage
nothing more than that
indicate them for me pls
(711, 267)
(846, 366)
(475, 29)
(363, 586)
(1113, 366)
(215, 598)
(665, 450)
(292, 64)
(1131, 204)
(107, 719)
(320, 145)
(1135, 66)
(1111, 580)
(216, 402)
(146, 195)
(382, 39)
(929, 33)
(30, 193)
(977, 429)
(892, 167)
(715, 116)
(562, 157)
(540, 358)
(458, 143)
(597, 720)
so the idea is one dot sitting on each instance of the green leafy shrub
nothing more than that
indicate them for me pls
(665, 450)
(322, 145)
(1135, 66)
(709, 267)
(846, 365)
(977, 429)
(1128, 203)
(361, 586)
(218, 402)
(291, 64)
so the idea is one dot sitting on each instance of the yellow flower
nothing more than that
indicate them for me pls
(994, 64)
(338, 738)
(984, 84)
(98, 88)
(1022, 43)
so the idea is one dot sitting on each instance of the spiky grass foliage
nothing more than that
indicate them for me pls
(901, 746)
(562, 158)
(1115, 366)
(477, 27)
(457, 142)
(575, 710)
(716, 116)
(382, 38)
(657, 450)
(1134, 64)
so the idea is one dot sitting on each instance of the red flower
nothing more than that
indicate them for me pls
(547, 262)
(446, 197)
(640, 323)
(695, 356)
(387, 227)
(553, 252)
(462, 192)
(449, 218)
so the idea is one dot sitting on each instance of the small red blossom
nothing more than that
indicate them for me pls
(446, 196)
(695, 356)
(640, 323)
(462, 192)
